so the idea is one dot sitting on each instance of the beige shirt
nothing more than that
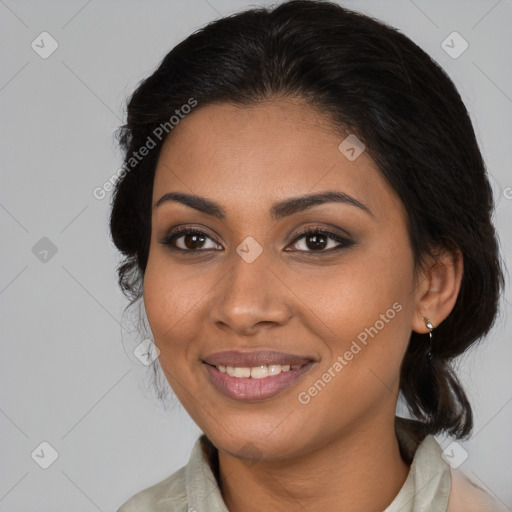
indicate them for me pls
(431, 485)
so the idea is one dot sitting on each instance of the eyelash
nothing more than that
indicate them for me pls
(179, 232)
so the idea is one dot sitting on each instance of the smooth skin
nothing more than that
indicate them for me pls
(338, 451)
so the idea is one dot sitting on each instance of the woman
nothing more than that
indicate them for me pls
(305, 212)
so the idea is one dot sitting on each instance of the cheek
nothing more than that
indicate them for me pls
(171, 301)
(345, 299)
(362, 313)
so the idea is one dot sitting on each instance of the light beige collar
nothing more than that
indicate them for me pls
(431, 485)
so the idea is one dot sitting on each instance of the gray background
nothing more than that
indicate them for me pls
(68, 375)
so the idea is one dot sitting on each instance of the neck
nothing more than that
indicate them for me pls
(361, 471)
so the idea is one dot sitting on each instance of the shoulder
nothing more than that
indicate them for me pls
(467, 496)
(192, 487)
(168, 495)
(434, 479)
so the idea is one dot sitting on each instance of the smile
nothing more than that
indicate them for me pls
(251, 376)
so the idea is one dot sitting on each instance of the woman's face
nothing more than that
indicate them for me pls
(319, 321)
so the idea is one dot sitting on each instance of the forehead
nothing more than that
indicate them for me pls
(262, 153)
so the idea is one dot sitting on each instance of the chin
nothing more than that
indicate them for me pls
(256, 442)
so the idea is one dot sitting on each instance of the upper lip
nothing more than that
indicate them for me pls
(255, 358)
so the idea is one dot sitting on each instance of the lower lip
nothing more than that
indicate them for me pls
(249, 389)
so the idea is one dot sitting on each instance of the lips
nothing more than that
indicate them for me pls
(255, 358)
(256, 375)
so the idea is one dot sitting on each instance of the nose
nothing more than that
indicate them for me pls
(251, 297)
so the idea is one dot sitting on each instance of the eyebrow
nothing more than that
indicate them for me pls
(278, 210)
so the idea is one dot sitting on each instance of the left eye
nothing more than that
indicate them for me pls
(316, 240)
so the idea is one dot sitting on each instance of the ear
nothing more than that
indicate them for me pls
(438, 285)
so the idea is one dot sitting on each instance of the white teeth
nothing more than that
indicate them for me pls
(257, 372)
(242, 372)
(274, 369)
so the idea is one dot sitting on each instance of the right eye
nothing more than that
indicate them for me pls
(187, 240)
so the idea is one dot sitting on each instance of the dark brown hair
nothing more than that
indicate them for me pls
(376, 83)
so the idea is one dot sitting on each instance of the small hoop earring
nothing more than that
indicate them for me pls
(429, 325)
